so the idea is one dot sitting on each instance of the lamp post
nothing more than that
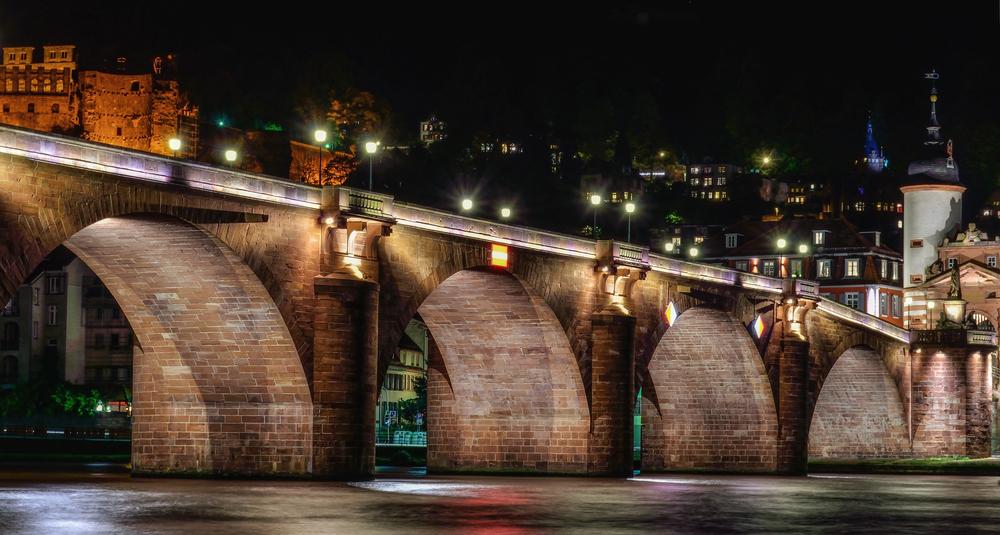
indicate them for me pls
(467, 204)
(371, 146)
(596, 201)
(669, 247)
(930, 307)
(320, 138)
(693, 252)
(629, 208)
(505, 213)
(175, 145)
(804, 251)
(230, 157)
(781, 256)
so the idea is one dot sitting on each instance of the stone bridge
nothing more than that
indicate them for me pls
(266, 312)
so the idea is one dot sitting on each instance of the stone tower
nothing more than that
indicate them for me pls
(932, 201)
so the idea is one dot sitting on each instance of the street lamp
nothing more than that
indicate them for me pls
(174, 144)
(371, 146)
(320, 138)
(230, 157)
(669, 247)
(467, 204)
(930, 307)
(693, 251)
(781, 256)
(629, 208)
(505, 213)
(804, 251)
(595, 200)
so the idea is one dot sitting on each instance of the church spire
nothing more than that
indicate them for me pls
(873, 154)
(934, 130)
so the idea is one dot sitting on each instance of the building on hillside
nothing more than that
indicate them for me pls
(432, 130)
(674, 238)
(39, 95)
(64, 325)
(711, 181)
(614, 183)
(135, 111)
(854, 268)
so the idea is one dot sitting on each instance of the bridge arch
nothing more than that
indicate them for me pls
(858, 413)
(218, 384)
(707, 402)
(504, 390)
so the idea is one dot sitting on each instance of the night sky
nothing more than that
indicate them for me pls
(717, 79)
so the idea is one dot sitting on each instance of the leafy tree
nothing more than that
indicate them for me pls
(410, 409)
(44, 397)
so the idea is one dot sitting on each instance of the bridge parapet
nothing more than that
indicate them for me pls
(956, 336)
(858, 317)
(90, 156)
(714, 274)
(490, 231)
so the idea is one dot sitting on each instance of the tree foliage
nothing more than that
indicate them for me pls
(410, 409)
(44, 397)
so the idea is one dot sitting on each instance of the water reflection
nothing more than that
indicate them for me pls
(70, 501)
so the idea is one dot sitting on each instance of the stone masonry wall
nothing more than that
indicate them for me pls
(714, 408)
(504, 391)
(859, 414)
(219, 386)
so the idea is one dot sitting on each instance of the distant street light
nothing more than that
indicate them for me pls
(371, 147)
(230, 157)
(505, 213)
(804, 251)
(693, 251)
(320, 138)
(596, 201)
(629, 208)
(669, 247)
(467, 204)
(175, 145)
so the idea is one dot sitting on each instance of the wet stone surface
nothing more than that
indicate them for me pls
(105, 499)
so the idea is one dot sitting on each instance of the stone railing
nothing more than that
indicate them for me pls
(715, 274)
(352, 201)
(858, 317)
(955, 336)
(90, 156)
(480, 229)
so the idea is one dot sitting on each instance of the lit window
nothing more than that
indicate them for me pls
(699, 239)
(694, 194)
(860, 206)
(895, 306)
(721, 181)
(795, 266)
(695, 181)
(694, 170)
(708, 170)
(819, 237)
(708, 181)
(731, 240)
(741, 265)
(675, 240)
(703, 195)
(823, 268)
(769, 268)
(853, 300)
(991, 261)
(852, 267)
(722, 169)
(884, 268)
(895, 271)
(883, 304)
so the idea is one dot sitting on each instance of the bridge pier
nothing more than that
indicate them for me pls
(613, 394)
(793, 423)
(345, 356)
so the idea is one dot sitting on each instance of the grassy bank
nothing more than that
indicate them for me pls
(938, 466)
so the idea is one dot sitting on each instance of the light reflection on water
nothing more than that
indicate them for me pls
(50, 502)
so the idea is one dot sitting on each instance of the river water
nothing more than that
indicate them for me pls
(104, 499)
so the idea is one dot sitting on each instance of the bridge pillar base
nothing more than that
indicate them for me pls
(345, 350)
(612, 395)
(793, 444)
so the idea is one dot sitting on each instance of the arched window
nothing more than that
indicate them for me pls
(48, 85)
(20, 85)
(8, 369)
(11, 337)
(59, 85)
(34, 85)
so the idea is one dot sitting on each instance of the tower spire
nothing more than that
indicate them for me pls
(934, 130)
(873, 154)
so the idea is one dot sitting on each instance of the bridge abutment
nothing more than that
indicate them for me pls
(345, 394)
(613, 395)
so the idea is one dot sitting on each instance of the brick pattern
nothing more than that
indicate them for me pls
(711, 405)
(859, 413)
(613, 396)
(504, 390)
(218, 385)
(344, 389)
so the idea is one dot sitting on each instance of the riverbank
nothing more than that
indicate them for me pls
(940, 466)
